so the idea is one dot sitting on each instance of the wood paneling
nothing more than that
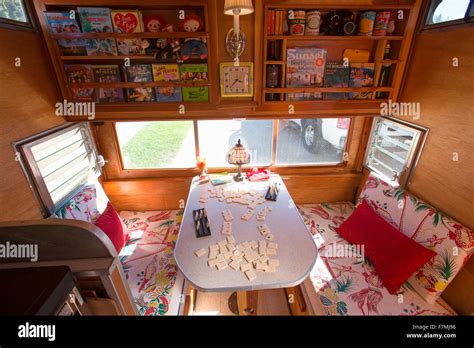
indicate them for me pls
(27, 97)
(148, 194)
(171, 193)
(445, 94)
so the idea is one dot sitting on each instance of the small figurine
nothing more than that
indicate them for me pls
(194, 46)
(153, 24)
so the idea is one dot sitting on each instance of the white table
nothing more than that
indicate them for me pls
(296, 250)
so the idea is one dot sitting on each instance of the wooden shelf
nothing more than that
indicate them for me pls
(163, 35)
(333, 38)
(327, 89)
(107, 58)
(320, 6)
(141, 84)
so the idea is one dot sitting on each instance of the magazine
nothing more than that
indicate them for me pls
(108, 74)
(80, 73)
(127, 21)
(336, 75)
(61, 22)
(195, 72)
(139, 73)
(97, 20)
(305, 68)
(167, 72)
(361, 75)
(141, 94)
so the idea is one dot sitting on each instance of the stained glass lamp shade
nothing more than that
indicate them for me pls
(238, 155)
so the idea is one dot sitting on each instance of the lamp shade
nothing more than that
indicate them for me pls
(238, 7)
(238, 155)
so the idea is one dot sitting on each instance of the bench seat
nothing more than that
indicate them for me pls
(341, 285)
(147, 259)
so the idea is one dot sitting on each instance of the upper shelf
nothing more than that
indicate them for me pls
(146, 35)
(333, 38)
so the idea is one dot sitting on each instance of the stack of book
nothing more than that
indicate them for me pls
(276, 21)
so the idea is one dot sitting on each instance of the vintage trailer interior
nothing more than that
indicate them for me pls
(237, 157)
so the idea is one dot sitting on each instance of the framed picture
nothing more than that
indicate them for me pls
(236, 81)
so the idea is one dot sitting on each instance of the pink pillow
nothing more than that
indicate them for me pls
(111, 224)
(394, 256)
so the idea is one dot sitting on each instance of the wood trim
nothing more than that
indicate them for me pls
(247, 302)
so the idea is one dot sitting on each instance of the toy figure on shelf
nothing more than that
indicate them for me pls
(162, 49)
(173, 43)
(193, 46)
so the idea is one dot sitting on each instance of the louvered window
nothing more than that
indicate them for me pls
(394, 148)
(59, 163)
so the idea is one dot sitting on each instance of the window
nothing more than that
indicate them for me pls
(58, 162)
(175, 144)
(152, 145)
(394, 148)
(217, 137)
(15, 14)
(448, 12)
(311, 141)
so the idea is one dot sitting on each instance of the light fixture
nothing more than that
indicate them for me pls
(235, 40)
(238, 155)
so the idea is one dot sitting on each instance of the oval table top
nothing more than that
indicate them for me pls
(296, 250)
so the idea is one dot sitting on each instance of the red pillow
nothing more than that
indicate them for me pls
(395, 256)
(111, 224)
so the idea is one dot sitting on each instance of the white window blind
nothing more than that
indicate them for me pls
(60, 162)
(393, 148)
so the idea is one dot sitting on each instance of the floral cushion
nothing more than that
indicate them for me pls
(452, 242)
(349, 285)
(86, 205)
(148, 261)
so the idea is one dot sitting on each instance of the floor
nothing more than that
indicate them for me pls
(270, 302)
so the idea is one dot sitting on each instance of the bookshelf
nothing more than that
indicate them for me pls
(167, 10)
(274, 96)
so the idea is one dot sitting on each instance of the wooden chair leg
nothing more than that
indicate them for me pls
(296, 301)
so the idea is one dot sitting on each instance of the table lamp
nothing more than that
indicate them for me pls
(238, 155)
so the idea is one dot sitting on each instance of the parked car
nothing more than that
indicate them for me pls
(315, 131)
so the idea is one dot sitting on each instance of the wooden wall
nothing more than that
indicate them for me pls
(446, 94)
(27, 97)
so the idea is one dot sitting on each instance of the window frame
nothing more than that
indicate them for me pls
(429, 10)
(30, 25)
(25, 157)
(414, 156)
(273, 165)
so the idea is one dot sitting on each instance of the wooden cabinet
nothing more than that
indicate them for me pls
(216, 25)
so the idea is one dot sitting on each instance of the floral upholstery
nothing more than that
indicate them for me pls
(86, 205)
(148, 261)
(350, 286)
(452, 242)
